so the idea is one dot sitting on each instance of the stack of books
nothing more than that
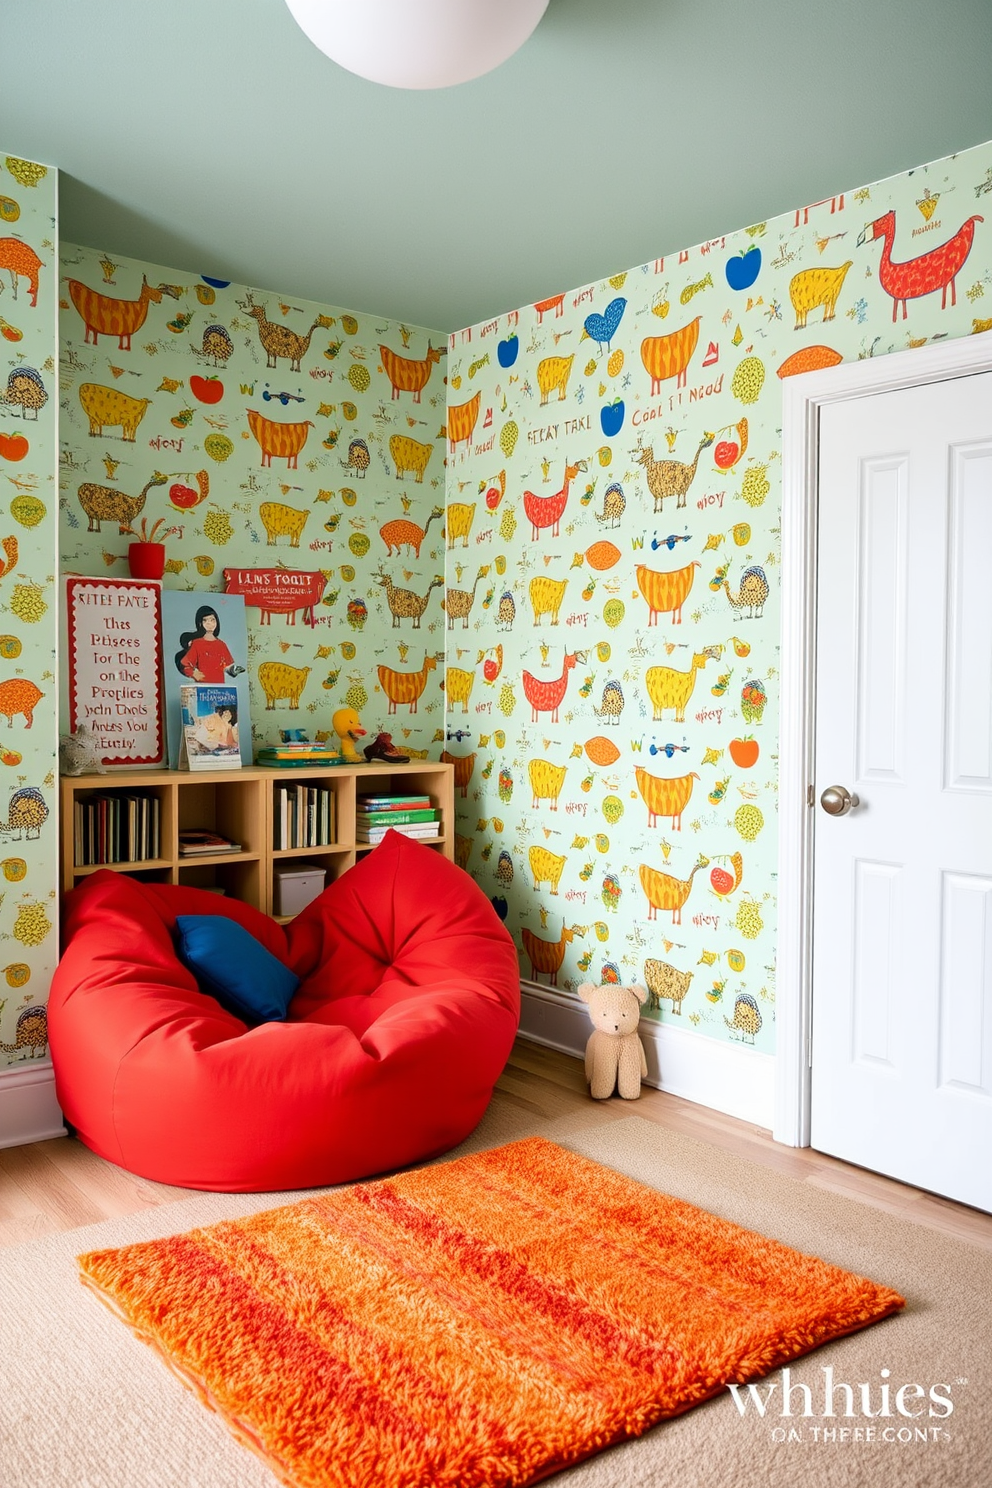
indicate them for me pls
(194, 843)
(414, 816)
(115, 829)
(304, 816)
(293, 755)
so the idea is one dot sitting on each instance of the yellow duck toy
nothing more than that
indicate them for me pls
(348, 727)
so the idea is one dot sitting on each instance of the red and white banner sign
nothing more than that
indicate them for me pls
(277, 591)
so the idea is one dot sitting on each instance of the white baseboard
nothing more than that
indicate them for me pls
(29, 1111)
(724, 1076)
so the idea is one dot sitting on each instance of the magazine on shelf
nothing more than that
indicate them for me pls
(394, 803)
(195, 843)
(210, 736)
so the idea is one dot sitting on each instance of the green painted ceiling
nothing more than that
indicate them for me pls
(211, 135)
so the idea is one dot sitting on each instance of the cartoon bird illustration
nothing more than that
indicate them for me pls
(506, 611)
(925, 274)
(504, 868)
(217, 345)
(26, 391)
(493, 664)
(602, 328)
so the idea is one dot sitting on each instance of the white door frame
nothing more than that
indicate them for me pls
(802, 399)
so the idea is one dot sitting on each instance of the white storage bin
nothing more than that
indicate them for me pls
(294, 888)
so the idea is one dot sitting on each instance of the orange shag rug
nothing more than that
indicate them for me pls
(486, 1321)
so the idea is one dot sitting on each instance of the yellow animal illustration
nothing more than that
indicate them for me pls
(813, 287)
(553, 372)
(409, 455)
(666, 981)
(668, 687)
(460, 517)
(546, 867)
(546, 781)
(463, 849)
(663, 891)
(278, 520)
(546, 596)
(105, 407)
(458, 686)
(278, 680)
(665, 797)
(405, 687)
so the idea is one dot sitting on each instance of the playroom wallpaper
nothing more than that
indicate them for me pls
(613, 496)
(257, 430)
(28, 608)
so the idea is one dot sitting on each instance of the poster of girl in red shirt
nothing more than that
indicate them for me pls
(202, 655)
(204, 640)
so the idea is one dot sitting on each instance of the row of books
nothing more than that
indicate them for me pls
(304, 816)
(413, 815)
(115, 829)
(293, 754)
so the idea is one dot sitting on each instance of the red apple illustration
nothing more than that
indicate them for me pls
(183, 497)
(493, 497)
(13, 446)
(722, 881)
(744, 752)
(207, 389)
(726, 454)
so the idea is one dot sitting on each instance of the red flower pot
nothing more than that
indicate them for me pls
(146, 560)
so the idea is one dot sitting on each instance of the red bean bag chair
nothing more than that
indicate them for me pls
(408, 1005)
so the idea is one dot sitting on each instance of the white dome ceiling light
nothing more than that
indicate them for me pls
(418, 43)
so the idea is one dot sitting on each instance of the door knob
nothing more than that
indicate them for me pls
(837, 800)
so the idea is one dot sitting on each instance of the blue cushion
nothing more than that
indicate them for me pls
(231, 965)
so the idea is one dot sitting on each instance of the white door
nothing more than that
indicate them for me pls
(902, 889)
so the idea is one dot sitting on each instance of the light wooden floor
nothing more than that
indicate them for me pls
(59, 1185)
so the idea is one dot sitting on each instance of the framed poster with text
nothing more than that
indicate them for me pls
(115, 643)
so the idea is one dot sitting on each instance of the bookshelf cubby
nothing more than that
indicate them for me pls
(242, 805)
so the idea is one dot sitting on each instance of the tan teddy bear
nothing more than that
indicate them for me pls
(614, 1053)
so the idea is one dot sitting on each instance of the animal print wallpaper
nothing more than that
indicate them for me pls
(247, 429)
(28, 608)
(613, 533)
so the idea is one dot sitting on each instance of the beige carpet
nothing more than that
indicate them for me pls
(84, 1405)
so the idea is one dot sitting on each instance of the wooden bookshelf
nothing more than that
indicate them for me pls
(241, 804)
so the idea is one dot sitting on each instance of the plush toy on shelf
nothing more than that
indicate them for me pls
(614, 1054)
(348, 727)
(79, 753)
